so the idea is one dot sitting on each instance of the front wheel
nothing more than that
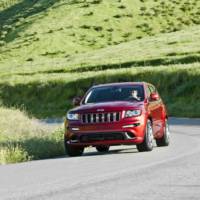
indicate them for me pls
(165, 139)
(73, 150)
(147, 144)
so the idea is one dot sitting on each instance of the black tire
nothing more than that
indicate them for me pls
(147, 144)
(102, 148)
(73, 150)
(165, 140)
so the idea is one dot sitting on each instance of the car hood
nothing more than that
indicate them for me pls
(108, 106)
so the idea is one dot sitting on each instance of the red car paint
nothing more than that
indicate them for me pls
(152, 108)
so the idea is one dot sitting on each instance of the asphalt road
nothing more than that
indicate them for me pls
(166, 173)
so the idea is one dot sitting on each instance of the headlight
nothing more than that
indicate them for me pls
(72, 116)
(132, 113)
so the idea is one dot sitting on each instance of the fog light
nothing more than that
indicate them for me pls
(131, 125)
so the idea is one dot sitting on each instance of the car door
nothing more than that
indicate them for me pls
(156, 111)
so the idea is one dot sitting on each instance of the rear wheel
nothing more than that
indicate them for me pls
(165, 139)
(102, 148)
(147, 144)
(73, 150)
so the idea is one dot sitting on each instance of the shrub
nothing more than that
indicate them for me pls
(117, 16)
(85, 26)
(125, 35)
(95, 1)
(98, 28)
(23, 138)
(110, 29)
(29, 59)
(85, 5)
(88, 13)
(122, 7)
(13, 154)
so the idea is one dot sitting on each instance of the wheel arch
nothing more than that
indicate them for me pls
(150, 118)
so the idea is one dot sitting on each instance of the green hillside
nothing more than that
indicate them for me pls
(39, 30)
(53, 50)
(170, 61)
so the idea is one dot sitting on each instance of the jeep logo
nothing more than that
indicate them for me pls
(100, 110)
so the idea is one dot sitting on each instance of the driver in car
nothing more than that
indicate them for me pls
(134, 95)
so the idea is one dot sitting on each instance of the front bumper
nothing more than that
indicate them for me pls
(135, 140)
(130, 131)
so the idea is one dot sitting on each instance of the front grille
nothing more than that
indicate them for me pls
(92, 137)
(100, 117)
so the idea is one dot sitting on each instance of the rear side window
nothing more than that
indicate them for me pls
(152, 89)
(148, 91)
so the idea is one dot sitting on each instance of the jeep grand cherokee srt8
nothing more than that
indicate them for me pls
(117, 114)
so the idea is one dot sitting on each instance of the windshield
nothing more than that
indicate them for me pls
(115, 93)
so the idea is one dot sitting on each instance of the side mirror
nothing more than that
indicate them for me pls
(76, 101)
(154, 97)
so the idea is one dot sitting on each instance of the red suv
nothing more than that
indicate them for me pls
(117, 114)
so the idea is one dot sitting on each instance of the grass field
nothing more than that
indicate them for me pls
(33, 31)
(170, 61)
(53, 50)
(23, 138)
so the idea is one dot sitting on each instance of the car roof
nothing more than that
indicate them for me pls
(119, 84)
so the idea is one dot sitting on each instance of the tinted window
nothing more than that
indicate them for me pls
(153, 89)
(115, 93)
(148, 91)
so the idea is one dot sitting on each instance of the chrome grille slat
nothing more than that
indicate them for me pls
(103, 117)
(100, 117)
(97, 118)
(108, 117)
(92, 118)
(114, 116)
